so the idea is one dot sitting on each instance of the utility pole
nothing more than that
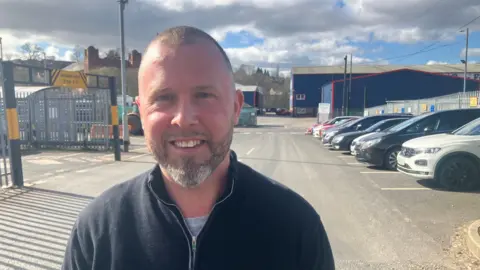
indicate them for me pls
(1, 50)
(350, 83)
(466, 62)
(45, 73)
(344, 82)
(126, 140)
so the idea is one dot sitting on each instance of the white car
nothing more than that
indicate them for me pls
(451, 159)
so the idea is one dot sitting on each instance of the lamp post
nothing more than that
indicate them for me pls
(126, 140)
(465, 61)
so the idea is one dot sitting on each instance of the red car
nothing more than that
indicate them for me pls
(318, 130)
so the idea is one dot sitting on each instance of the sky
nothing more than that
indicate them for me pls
(264, 33)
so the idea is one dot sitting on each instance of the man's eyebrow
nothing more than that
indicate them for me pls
(204, 88)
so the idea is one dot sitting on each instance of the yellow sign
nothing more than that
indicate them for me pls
(424, 107)
(72, 79)
(473, 101)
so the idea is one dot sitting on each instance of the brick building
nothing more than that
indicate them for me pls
(92, 60)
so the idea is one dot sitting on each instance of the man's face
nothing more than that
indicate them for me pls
(188, 107)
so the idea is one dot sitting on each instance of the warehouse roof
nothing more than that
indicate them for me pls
(363, 69)
(246, 88)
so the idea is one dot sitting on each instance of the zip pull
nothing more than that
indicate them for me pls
(194, 244)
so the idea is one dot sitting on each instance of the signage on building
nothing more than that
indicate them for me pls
(71, 79)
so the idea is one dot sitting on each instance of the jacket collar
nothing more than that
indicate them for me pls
(156, 182)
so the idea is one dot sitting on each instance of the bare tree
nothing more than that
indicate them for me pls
(113, 54)
(32, 51)
(78, 53)
(8, 56)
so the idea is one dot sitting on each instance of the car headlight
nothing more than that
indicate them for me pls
(338, 138)
(370, 143)
(432, 150)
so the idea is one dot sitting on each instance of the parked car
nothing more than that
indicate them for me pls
(358, 125)
(451, 159)
(381, 149)
(358, 141)
(345, 140)
(337, 121)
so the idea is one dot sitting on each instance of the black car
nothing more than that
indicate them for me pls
(359, 125)
(343, 141)
(381, 149)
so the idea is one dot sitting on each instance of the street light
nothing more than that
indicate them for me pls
(465, 61)
(126, 140)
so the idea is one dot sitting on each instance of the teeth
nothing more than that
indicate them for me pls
(186, 144)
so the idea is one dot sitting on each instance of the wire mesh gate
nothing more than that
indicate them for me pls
(43, 116)
(63, 118)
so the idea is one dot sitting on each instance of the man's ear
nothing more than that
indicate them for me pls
(239, 99)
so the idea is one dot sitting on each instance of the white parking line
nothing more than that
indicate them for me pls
(345, 156)
(250, 151)
(379, 172)
(356, 163)
(417, 188)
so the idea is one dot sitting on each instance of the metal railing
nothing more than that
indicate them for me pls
(419, 106)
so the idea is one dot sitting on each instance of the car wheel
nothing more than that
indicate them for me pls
(390, 160)
(458, 174)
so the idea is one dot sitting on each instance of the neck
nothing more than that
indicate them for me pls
(199, 201)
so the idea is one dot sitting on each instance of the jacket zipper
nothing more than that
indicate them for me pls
(192, 245)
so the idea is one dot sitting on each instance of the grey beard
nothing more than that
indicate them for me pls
(187, 173)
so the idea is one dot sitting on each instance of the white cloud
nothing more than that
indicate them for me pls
(302, 32)
(472, 52)
(433, 62)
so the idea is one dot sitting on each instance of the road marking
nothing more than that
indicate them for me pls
(250, 151)
(70, 155)
(356, 163)
(417, 188)
(344, 156)
(60, 171)
(259, 133)
(48, 174)
(375, 172)
(137, 156)
(44, 162)
(81, 171)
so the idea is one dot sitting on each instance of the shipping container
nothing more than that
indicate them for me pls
(404, 84)
(253, 95)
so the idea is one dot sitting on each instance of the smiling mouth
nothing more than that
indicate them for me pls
(187, 143)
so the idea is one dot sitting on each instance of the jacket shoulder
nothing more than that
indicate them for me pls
(273, 195)
(113, 205)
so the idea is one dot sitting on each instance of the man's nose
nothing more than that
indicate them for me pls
(185, 115)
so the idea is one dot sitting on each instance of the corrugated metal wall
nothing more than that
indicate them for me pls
(311, 85)
(399, 85)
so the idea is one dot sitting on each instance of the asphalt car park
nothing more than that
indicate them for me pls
(422, 202)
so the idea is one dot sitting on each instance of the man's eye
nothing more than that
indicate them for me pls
(165, 98)
(203, 95)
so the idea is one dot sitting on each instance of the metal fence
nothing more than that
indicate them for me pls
(440, 103)
(62, 118)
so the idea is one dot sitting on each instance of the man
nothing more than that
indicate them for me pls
(199, 208)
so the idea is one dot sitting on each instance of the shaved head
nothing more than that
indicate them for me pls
(186, 35)
(189, 104)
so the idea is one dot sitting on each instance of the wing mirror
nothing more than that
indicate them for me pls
(427, 130)
(359, 126)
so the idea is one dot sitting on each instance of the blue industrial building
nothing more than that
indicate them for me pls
(253, 95)
(404, 84)
(309, 85)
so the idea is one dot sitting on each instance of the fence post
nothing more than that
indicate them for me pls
(114, 121)
(13, 128)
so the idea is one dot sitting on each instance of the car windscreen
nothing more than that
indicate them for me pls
(375, 126)
(470, 129)
(408, 122)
